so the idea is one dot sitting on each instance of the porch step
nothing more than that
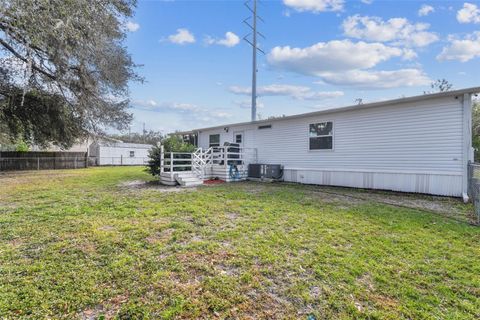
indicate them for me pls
(191, 184)
(187, 174)
(188, 180)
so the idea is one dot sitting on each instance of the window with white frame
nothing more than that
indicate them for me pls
(321, 136)
(214, 140)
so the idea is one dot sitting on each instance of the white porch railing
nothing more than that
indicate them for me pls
(224, 156)
(201, 160)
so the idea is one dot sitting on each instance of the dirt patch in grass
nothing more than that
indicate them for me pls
(108, 310)
(232, 216)
(347, 197)
(151, 185)
(343, 201)
(107, 228)
(160, 237)
(16, 242)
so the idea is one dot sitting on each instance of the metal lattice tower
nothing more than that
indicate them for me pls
(252, 7)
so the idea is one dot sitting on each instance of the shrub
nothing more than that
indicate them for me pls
(170, 144)
(21, 146)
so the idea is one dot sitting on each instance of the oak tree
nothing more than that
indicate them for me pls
(64, 68)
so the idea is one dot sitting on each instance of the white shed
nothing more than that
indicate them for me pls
(119, 153)
(416, 144)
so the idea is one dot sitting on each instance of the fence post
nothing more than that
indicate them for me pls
(162, 160)
(86, 160)
(225, 156)
(75, 163)
(171, 164)
(222, 154)
(470, 176)
(38, 163)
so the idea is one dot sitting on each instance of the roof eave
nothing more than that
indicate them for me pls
(472, 90)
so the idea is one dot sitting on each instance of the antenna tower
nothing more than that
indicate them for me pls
(251, 39)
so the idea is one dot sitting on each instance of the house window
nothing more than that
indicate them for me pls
(190, 139)
(238, 138)
(321, 136)
(132, 154)
(214, 140)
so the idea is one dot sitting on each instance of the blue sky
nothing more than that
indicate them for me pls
(319, 54)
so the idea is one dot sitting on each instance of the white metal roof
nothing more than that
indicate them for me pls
(472, 90)
(124, 145)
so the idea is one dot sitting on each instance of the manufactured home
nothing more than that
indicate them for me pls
(117, 153)
(417, 144)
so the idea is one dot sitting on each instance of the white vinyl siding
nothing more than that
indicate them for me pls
(120, 154)
(409, 137)
(419, 138)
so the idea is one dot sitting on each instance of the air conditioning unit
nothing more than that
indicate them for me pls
(258, 171)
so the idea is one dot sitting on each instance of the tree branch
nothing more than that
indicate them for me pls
(19, 56)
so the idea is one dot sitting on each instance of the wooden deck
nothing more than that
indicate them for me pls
(214, 163)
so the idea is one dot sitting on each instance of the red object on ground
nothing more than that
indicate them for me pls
(213, 181)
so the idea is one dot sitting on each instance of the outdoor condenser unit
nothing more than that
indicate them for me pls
(265, 171)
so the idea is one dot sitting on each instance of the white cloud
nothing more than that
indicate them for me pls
(367, 1)
(378, 79)
(315, 6)
(425, 10)
(230, 40)
(395, 30)
(132, 26)
(247, 104)
(409, 54)
(470, 13)
(145, 103)
(186, 109)
(462, 49)
(332, 56)
(183, 36)
(348, 63)
(220, 114)
(296, 92)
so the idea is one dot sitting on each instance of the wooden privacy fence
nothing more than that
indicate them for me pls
(33, 160)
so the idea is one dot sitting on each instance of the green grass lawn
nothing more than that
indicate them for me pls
(86, 244)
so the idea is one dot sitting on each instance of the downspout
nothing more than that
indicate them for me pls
(467, 154)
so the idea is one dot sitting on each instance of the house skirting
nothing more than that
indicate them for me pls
(428, 183)
(224, 173)
(214, 172)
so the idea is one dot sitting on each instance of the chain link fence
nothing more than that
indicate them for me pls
(474, 188)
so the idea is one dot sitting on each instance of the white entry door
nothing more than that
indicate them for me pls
(238, 137)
